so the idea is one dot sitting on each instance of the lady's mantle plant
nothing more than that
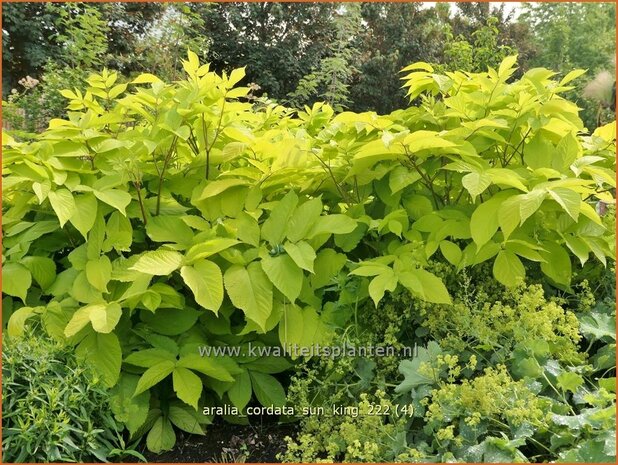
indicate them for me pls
(160, 218)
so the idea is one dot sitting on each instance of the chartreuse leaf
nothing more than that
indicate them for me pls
(273, 229)
(302, 254)
(451, 252)
(208, 248)
(205, 280)
(476, 183)
(332, 224)
(284, 274)
(85, 213)
(104, 318)
(529, 203)
(99, 272)
(63, 204)
(303, 218)
(159, 262)
(17, 321)
(568, 199)
(187, 386)
(327, 264)
(250, 290)
(386, 281)
(16, 280)
(484, 221)
(169, 229)
(149, 357)
(425, 285)
(43, 270)
(508, 269)
(114, 197)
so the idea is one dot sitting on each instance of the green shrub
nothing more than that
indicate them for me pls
(161, 218)
(55, 409)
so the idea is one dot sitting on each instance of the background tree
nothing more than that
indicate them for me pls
(574, 35)
(279, 43)
(329, 80)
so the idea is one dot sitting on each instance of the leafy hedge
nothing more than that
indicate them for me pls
(161, 218)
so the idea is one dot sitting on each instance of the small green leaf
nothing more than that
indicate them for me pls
(568, 199)
(209, 247)
(302, 219)
(161, 437)
(240, 392)
(17, 321)
(557, 265)
(476, 183)
(383, 282)
(484, 221)
(43, 270)
(569, 381)
(85, 213)
(154, 375)
(183, 417)
(268, 390)
(149, 357)
(332, 224)
(451, 252)
(208, 366)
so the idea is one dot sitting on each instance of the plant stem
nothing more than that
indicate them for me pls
(168, 157)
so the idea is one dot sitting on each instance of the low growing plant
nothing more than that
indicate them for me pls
(55, 409)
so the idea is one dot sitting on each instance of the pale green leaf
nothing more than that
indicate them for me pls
(302, 254)
(284, 274)
(205, 280)
(275, 226)
(63, 204)
(159, 262)
(187, 386)
(251, 291)
(508, 269)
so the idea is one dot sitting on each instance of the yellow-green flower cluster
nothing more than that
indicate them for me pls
(523, 314)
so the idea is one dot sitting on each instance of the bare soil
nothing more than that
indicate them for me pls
(259, 442)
